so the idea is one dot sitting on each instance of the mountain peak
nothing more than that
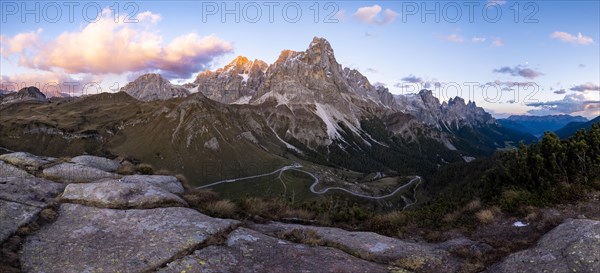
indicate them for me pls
(239, 62)
(152, 86)
(30, 93)
(321, 43)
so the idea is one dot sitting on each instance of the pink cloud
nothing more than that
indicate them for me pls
(149, 16)
(497, 42)
(370, 15)
(455, 38)
(579, 39)
(107, 47)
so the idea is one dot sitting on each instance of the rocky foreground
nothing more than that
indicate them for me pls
(80, 215)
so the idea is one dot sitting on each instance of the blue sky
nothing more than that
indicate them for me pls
(553, 44)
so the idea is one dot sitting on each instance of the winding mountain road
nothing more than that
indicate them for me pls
(296, 167)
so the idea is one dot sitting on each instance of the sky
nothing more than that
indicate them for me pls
(510, 57)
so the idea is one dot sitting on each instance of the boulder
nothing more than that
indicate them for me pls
(168, 183)
(372, 246)
(23, 159)
(97, 162)
(75, 173)
(13, 215)
(29, 190)
(250, 251)
(113, 193)
(573, 246)
(88, 239)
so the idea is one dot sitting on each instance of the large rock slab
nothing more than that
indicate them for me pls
(168, 183)
(13, 215)
(573, 246)
(97, 162)
(372, 246)
(250, 251)
(87, 239)
(22, 197)
(113, 193)
(29, 190)
(7, 170)
(24, 159)
(75, 173)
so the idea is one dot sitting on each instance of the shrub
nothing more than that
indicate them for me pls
(184, 181)
(199, 198)
(126, 169)
(388, 223)
(485, 216)
(305, 236)
(221, 208)
(270, 209)
(473, 205)
(144, 169)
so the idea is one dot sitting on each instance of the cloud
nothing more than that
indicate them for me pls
(19, 44)
(569, 104)
(478, 39)
(378, 84)
(497, 42)
(519, 71)
(371, 15)
(412, 79)
(588, 86)
(149, 16)
(578, 39)
(581, 65)
(417, 82)
(508, 85)
(560, 92)
(455, 38)
(371, 70)
(496, 2)
(107, 47)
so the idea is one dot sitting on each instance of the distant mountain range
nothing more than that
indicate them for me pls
(537, 125)
(572, 128)
(305, 106)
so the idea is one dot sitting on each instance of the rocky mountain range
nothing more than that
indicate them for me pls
(304, 105)
(537, 125)
(312, 87)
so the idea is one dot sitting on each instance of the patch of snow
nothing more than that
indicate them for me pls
(330, 122)
(519, 224)
(468, 158)
(281, 99)
(449, 145)
(192, 90)
(245, 77)
(289, 146)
